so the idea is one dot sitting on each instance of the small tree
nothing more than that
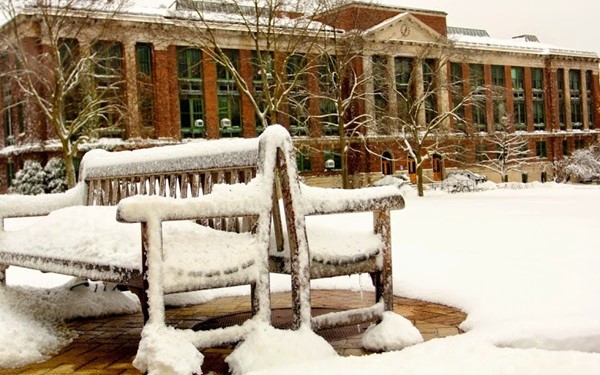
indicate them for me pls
(30, 180)
(62, 68)
(56, 176)
(409, 102)
(508, 151)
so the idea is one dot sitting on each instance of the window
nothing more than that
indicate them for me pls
(108, 57)
(191, 115)
(108, 71)
(498, 76)
(7, 111)
(500, 114)
(189, 69)
(574, 80)
(537, 86)
(191, 98)
(380, 86)
(537, 78)
(456, 78)
(328, 86)
(541, 149)
(478, 105)
(303, 161)
(296, 67)
(144, 84)
(576, 115)
(590, 107)
(519, 108)
(144, 58)
(403, 71)
(329, 117)
(263, 65)
(429, 82)
(333, 159)
(576, 103)
(520, 116)
(565, 147)
(579, 144)
(518, 78)
(10, 173)
(562, 116)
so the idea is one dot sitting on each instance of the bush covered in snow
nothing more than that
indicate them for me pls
(583, 164)
(56, 175)
(30, 180)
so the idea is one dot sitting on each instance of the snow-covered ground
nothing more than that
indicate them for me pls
(522, 263)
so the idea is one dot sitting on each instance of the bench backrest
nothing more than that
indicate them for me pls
(180, 171)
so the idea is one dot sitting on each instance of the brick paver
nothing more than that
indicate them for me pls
(108, 345)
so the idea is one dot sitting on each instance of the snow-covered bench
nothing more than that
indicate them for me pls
(295, 248)
(308, 249)
(77, 232)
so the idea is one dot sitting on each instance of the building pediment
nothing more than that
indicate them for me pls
(403, 27)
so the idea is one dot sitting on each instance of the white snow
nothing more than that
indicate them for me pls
(522, 263)
(394, 332)
(267, 347)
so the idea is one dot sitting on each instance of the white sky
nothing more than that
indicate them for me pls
(570, 24)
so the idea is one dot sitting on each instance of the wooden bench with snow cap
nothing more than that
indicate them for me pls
(309, 244)
(77, 233)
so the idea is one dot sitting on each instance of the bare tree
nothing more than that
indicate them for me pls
(283, 34)
(409, 98)
(54, 56)
(342, 79)
(504, 151)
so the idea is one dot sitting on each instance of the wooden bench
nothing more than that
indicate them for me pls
(294, 247)
(96, 246)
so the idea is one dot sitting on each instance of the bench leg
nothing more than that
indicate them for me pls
(385, 286)
(143, 297)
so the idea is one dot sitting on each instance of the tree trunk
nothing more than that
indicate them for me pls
(70, 169)
(344, 157)
(420, 175)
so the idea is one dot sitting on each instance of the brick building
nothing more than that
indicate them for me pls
(174, 91)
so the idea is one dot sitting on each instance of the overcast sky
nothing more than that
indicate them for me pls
(571, 24)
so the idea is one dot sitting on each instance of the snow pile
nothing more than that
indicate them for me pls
(488, 185)
(394, 332)
(30, 317)
(163, 352)
(268, 347)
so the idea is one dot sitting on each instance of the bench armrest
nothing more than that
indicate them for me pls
(15, 205)
(320, 201)
(225, 201)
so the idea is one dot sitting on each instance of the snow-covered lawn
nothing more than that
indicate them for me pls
(523, 264)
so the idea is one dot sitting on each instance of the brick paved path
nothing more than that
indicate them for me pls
(108, 345)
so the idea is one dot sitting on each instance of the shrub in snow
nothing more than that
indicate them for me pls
(266, 347)
(394, 332)
(584, 164)
(30, 180)
(56, 175)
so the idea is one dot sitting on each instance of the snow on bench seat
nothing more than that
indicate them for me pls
(88, 241)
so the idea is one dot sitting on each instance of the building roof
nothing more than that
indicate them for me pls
(465, 31)
(480, 39)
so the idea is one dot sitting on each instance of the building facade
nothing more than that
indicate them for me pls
(173, 90)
